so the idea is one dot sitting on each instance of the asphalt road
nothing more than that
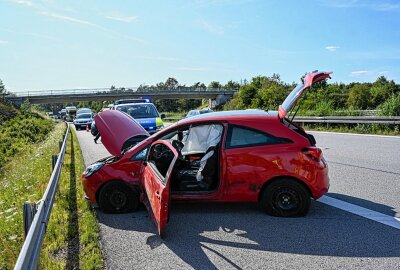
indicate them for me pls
(364, 171)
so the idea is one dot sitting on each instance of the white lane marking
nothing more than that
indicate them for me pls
(355, 134)
(393, 222)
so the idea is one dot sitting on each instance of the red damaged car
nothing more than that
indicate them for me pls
(231, 156)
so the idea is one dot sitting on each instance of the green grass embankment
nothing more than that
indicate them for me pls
(20, 131)
(23, 178)
(72, 236)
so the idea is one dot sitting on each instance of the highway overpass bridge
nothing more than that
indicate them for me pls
(217, 96)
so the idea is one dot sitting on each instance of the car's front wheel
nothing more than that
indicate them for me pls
(285, 198)
(116, 197)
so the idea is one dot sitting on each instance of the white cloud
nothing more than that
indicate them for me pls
(119, 17)
(83, 22)
(332, 48)
(70, 19)
(23, 2)
(359, 73)
(3, 42)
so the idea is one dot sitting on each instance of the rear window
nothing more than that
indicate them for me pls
(245, 137)
(138, 111)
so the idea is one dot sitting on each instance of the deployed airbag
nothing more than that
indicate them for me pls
(201, 138)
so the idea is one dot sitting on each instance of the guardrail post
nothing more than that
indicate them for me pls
(54, 161)
(28, 213)
(60, 143)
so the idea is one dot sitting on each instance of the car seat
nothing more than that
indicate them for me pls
(201, 175)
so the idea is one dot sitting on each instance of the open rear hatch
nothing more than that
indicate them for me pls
(291, 100)
(118, 131)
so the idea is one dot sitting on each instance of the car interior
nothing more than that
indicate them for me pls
(197, 167)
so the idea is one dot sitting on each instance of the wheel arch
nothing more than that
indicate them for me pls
(277, 178)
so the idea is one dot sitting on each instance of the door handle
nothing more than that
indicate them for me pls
(158, 194)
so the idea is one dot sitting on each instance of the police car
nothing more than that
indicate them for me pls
(144, 113)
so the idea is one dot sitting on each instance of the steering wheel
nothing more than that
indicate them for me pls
(160, 151)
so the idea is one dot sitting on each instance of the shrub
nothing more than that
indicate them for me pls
(6, 112)
(391, 107)
(24, 128)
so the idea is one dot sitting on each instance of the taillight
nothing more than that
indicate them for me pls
(313, 152)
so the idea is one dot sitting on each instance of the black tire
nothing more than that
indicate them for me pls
(285, 198)
(116, 197)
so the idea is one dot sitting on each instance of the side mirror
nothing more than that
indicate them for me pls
(162, 115)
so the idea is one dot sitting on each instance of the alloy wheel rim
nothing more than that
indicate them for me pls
(118, 199)
(286, 199)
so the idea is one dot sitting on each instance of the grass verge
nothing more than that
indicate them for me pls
(72, 239)
(72, 236)
(23, 178)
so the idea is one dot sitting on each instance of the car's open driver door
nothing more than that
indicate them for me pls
(156, 181)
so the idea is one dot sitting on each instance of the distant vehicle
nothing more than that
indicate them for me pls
(82, 120)
(145, 114)
(232, 156)
(83, 110)
(198, 112)
(63, 114)
(71, 112)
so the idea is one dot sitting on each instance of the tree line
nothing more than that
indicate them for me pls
(264, 92)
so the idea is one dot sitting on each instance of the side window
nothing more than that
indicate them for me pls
(141, 155)
(244, 137)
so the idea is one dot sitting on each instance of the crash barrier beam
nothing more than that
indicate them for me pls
(384, 120)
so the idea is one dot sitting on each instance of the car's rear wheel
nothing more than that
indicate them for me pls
(116, 197)
(285, 198)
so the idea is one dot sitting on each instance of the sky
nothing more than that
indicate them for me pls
(48, 44)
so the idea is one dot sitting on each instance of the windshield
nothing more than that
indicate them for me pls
(84, 115)
(84, 111)
(139, 110)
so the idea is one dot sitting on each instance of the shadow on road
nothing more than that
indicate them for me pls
(73, 225)
(197, 230)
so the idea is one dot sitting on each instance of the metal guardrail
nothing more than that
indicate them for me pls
(29, 255)
(384, 120)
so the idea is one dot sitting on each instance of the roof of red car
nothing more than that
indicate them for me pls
(231, 115)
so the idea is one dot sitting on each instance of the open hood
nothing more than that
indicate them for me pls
(299, 91)
(118, 131)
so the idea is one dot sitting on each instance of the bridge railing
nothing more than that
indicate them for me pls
(29, 255)
(105, 91)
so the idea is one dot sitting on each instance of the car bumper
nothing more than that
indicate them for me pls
(89, 187)
(321, 183)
